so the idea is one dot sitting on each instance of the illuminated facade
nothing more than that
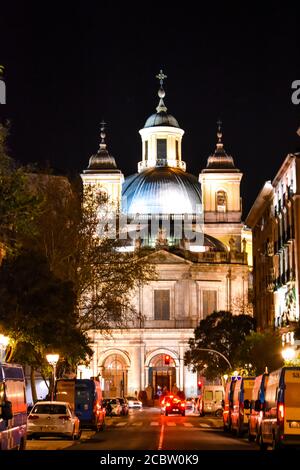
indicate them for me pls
(274, 219)
(194, 277)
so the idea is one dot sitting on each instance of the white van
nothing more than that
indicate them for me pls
(280, 425)
(211, 400)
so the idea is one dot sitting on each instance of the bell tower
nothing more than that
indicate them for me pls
(222, 205)
(102, 174)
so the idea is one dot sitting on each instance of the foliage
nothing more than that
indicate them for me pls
(222, 332)
(258, 351)
(73, 237)
(18, 206)
(38, 310)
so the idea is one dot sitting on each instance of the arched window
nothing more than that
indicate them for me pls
(221, 201)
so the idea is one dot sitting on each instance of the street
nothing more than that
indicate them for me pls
(147, 430)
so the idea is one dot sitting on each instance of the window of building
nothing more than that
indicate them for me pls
(146, 150)
(221, 201)
(161, 148)
(177, 150)
(162, 304)
(209, 302)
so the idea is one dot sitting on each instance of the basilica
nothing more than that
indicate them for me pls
(200, 269)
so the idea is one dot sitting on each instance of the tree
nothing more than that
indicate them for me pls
(38, 311)
(72, 236)
(222, 332)
(18, 206)
(258, 351)
(106, 277)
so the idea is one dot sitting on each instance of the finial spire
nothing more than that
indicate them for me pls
(102, 134)
(161, 92)
(219, 133)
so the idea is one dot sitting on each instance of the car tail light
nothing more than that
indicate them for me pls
(280, 412)
(33, 417)
(66, 418)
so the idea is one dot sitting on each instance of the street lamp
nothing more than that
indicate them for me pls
(4, 340)
(216, 352)
(53, 360)
(288, 354)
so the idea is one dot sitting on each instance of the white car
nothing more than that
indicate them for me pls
(133, 402)
(53, 418)
(113, 406)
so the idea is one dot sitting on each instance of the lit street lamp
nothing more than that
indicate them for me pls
(288, 354)
(4, 340)
(53, 360)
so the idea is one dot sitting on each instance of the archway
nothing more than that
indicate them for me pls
(114, 373)
(162, 374)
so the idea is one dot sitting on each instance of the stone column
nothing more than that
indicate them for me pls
(181, 367)
(142, 365)
(146, 382)
(177, 376)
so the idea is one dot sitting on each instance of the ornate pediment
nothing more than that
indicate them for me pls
(165, 257)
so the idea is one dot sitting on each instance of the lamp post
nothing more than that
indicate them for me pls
(4, 340)
(216, 352)
(53, 360)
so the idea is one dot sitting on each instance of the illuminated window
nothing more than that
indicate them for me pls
(221, 201)
(161, 304)
(161, 148)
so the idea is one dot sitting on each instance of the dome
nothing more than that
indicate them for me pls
(161, 118)
(161, 190)
(102, 161)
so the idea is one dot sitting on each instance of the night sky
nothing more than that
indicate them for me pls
(67, 67)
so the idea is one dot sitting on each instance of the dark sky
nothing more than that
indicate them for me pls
(69, 66)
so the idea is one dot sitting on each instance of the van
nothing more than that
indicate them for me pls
(256, 406)
(227, 403)
(280, 425)
(211, 400)
(13, 407)
(85, 398)
(240, 413)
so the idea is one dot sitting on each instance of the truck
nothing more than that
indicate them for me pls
(13, 407)
(85, 398)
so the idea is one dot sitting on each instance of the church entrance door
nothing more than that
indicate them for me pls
(162, 377)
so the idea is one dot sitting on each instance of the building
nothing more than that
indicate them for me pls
(274, 219)
(196, 275)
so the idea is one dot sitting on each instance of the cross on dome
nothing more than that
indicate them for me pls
(161, 76)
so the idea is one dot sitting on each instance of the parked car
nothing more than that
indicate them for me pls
(210, 400)
(85, 398)
(280, 424)
(124, 405)
(13, 407)
(242, 395)
(133, 402)
(114, 405)
(257, 406)
(190, 403)
(53, 418)
(172, 404)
